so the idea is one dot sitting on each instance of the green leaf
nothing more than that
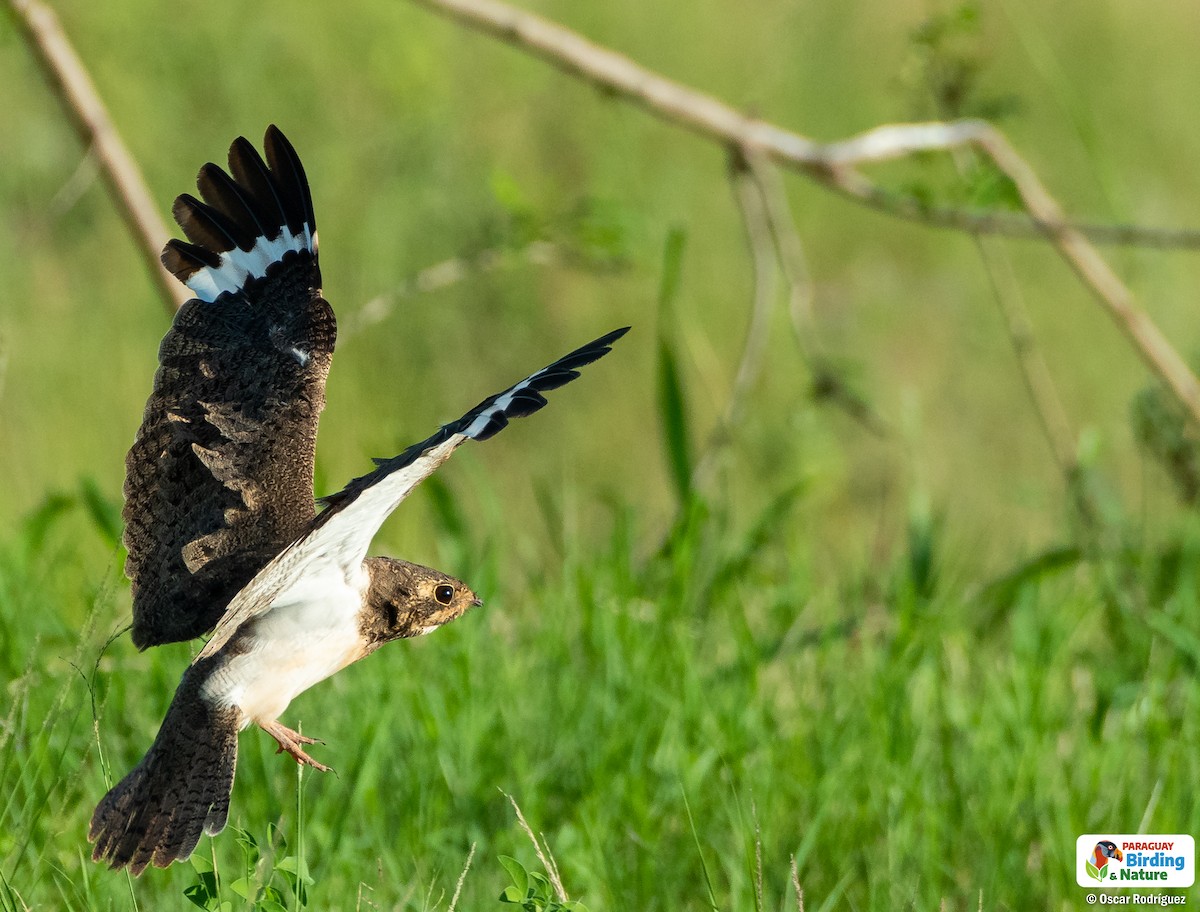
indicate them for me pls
(248, 845)
(44, 517)
(672, 267)
(517, 874)
(672, 405)
(508, 193)
(105, 514)
(295, 872)
(541, 889)
(446, 508)
(525, 226)
(672, 410)
(1091, 869)
(1000, 593)
(598, 233)
(990, 188)
(270, 897)
(201, 864)
(203, 892)
(296, 867)
(512, 895)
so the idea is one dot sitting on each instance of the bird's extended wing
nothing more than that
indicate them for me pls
(219, 478)
(338, 538)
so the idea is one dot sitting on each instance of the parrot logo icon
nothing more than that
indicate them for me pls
(1097, 865)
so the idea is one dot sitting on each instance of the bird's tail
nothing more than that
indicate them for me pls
(179, 791)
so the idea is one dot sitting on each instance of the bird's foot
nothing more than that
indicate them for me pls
(292, 742)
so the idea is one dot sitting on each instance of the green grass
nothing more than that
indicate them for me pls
(900, 661)
(908, 740)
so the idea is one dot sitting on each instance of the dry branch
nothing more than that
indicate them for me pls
(683, 106)
(74, 87)
(834, 165)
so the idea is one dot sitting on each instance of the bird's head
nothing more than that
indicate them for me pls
(1106, 850)
(408, 600)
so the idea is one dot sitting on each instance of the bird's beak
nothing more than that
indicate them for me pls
(476, 603)
(1117, 855)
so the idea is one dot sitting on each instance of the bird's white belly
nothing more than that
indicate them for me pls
(303, 639)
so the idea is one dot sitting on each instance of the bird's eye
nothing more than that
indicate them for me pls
(444, 594)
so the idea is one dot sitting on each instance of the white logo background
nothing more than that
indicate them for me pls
(1147, 862)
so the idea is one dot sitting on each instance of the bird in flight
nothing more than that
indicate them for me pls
(221, 526)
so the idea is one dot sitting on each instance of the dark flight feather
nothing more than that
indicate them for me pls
(219, 478)
(488, 418)
(222, 193)
(292, 182)
(252, 176)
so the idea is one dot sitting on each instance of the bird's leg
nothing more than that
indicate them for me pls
(292, 742)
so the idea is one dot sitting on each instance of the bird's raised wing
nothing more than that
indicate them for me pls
(219, 478)
(338, 538)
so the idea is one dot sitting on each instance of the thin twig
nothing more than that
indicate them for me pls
(828, 384)
(1039, 383)
(758, 235)
(681, 105)
(1034, 371)
(790, 251)
(443, 275)
(70, 81)
(758, 239)
(833, 165)
(893, 140)
(75, 187)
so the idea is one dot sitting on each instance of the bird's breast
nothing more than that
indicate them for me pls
(305, 637)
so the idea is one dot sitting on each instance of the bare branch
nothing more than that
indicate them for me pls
(71, 82)
(1019, 224)
(683, 106)
(833, 165)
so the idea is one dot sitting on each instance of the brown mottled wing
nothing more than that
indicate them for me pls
(219, 478)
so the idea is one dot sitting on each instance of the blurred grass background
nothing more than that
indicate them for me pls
(424, 142)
